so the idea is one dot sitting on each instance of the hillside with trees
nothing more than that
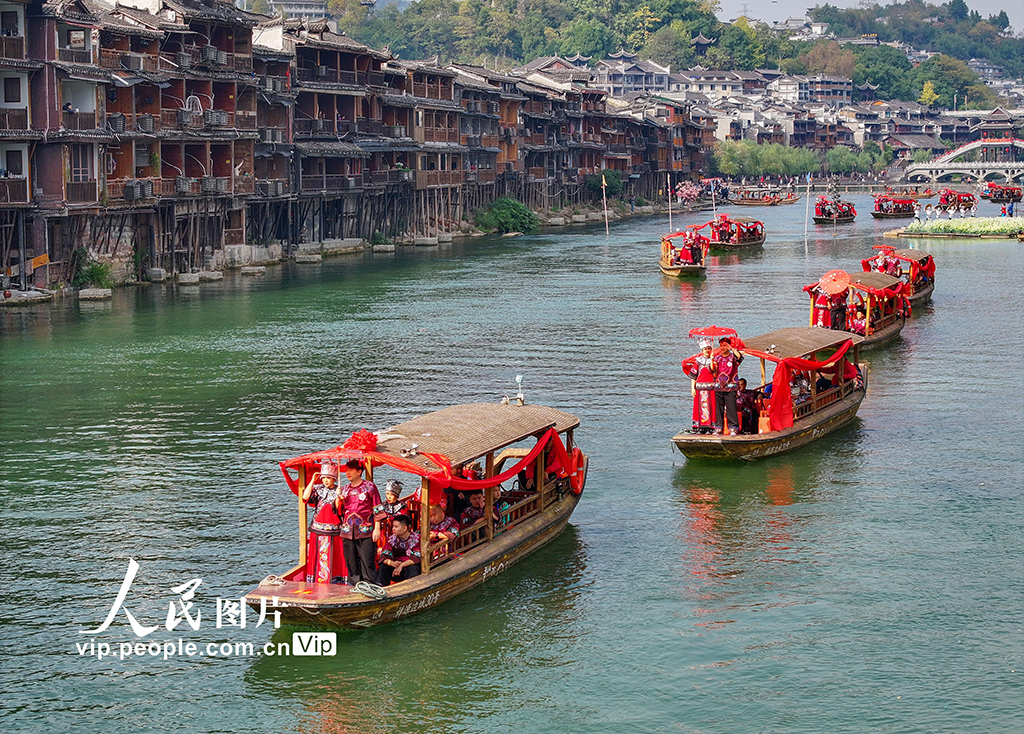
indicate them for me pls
(504, 33)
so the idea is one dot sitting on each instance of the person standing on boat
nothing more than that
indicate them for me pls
(323, 556)
(401, 556)
(701, 371)
(727, 362)
(357, 502)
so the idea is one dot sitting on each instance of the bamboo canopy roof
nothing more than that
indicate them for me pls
(798, 341)
(874, 280)
(915, 255)
(466, 432)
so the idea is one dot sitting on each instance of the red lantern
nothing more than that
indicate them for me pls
(7, 294)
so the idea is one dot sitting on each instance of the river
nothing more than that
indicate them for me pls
(870, 582)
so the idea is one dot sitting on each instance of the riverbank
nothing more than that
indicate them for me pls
(985, 228)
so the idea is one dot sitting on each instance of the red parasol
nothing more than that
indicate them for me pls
(834, 282)
(713, 332)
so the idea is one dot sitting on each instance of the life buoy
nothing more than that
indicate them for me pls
(576, 470)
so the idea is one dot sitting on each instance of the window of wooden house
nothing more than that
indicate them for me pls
(14, 163)
(12, 89)
(9, 23)
(81, 163)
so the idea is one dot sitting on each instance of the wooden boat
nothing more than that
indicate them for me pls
(950, 197)
(879, 298)
(755, 198)
(790, 199)
(817, 415)
(731, 233)
(833, 211)
(906, 194)
(685, 257)
(428, 447)
(919, 276)
(1002, 194)
(887, 207)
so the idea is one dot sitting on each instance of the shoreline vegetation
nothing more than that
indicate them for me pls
(980, 227)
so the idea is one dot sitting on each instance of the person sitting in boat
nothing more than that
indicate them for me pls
(476, 511)
(747, 407)
(857, 324)
(442, 528)
(323, 557)
(702, 388)
(800, 388)
(357, 502)
(823, 383)
(400, 559)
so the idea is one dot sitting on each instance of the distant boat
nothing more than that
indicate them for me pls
(887, 207)
(919, 277)
(732, 233)
(685, 257)
(833, 211)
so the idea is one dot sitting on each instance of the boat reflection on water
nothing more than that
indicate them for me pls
(689, 290)
(454, 654)
(744, 528)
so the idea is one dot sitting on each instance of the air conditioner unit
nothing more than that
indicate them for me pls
(144, 188)
(182, 185)
(116, 122)
(183, 59)
(184, 117)
(208, 185)
(213, 118)
(132, 62)
(321, 71)
(223, 185)
(222, 58)
(348, 183)
(131, 191)
(145, 123)
(209, 54)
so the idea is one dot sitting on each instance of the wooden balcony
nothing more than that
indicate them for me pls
(245, 185)
(330, 182)
(272, 187)
(537, 172)
(74, 56)
(122, 60)
(13, 190)
(489, 141)
(307, 127)
(431, 91)
(12, 47)
(427, 179)
(81, 192)
(79, 120)
(245, 120)
(13, 119)
(440, 135)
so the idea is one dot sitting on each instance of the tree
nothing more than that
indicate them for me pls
(957, 10)
(742, 45)
(1001, 21)
(669, 45)
(585, 37)
(928, 95)
(922, 156)
(262, 6)
(643, 20)
(828, 57)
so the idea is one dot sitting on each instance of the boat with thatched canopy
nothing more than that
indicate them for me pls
(873, 305)
(683, 253)
(788, 422)
(532, 475)
(731, 233)
(919, 277)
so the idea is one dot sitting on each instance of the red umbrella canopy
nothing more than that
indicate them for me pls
(834, 282)
(715, 332)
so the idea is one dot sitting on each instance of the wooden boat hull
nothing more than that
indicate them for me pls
(754, 202)
(337, 605)
(793, 200)
(892, 215)
(753, 447)
(884, 336)
(919, 197)
(1003, 199)
(679, 271)
(737, 245)
(922, 296)
(833, 220)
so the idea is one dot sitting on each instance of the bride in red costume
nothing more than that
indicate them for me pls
(324, 559)
(701, 371)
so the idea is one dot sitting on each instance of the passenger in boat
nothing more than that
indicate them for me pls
(357, 502)
(323, 561)
(823, 383)
(385, 512)
(476, 511)
(400, 559)
(800, 388)
(702, 387)
(727, 363)
(747, 407)
(857, 324)
(442, 527)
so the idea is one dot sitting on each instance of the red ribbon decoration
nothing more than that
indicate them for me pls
(561, 463)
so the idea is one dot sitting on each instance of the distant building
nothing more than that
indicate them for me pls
(622, 73)
(987, 71)
(299, 9)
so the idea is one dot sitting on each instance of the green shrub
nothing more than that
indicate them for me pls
(377, 239)
(611, 177)
(641, 201)
(506, 215)
(97, 275)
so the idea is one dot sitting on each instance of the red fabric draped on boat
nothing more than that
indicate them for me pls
(780, 408)
(561, 462)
